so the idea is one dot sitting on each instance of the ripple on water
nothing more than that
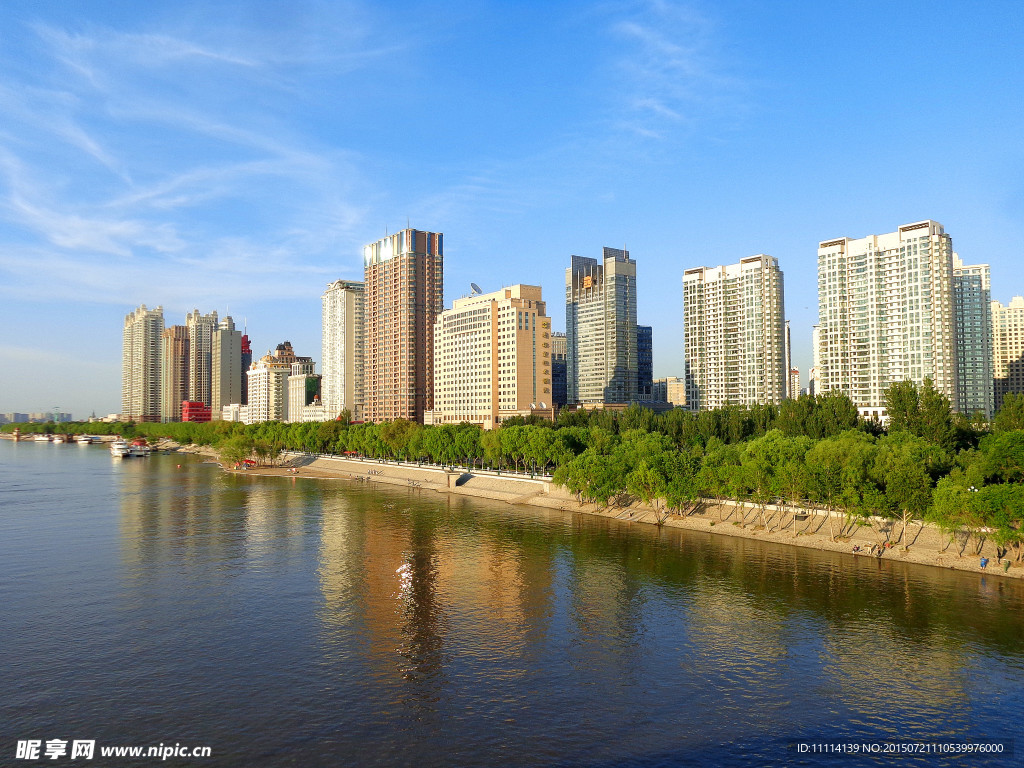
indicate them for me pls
(291, 623)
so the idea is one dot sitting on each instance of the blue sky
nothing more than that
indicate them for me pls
(236, 156)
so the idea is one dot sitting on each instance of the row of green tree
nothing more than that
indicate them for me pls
(929, 464)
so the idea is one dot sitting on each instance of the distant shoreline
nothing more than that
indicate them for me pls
(927, 540)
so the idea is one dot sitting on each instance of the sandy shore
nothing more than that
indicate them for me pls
(803, 528)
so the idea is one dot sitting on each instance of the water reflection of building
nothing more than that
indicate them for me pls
(174, 510)
(420, 585)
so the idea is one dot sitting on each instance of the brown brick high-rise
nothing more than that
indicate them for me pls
(403, 298)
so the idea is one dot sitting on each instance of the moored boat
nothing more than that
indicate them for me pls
(85, 439)
(41, 438)
(119, 448)
(139, 447)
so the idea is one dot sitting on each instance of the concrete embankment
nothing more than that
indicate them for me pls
(782, 525)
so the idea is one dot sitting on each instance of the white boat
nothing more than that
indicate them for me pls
(119, 448)
(85, 439)
(59, 439)
(41, 438)
(139, 447)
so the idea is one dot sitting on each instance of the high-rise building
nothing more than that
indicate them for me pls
(671, 390)
(404, 278)
(812, 376)
(343, 352)
(200, 355)
(973, 299)
(886, 314)
(492, 358)
(268, 384)
(600, 329)
(793, 388)
(140, 364)
(195, 411)
(303, 389)
(1008, 346)
(226, 364)
(246, 365)
(174, 374)
(788, 362)
(558, 369)
(735, 333)
(644, 363)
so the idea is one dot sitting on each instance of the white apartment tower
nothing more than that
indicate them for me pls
(735, 333)
(1008, 346)
(303, 390)
(600, 328)
(492, 357)
(226, 367)
(200, 355)
(886, 314)
(342, 351)
(972, 291)
(812, 376)
(140, 364)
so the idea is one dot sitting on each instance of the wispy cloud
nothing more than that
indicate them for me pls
(670, 69)
(169, 159)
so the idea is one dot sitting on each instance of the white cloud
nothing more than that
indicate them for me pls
(670, 73)
(160, 159)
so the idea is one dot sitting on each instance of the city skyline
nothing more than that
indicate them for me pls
(237, 159)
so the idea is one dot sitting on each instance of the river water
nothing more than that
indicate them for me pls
(290, 621)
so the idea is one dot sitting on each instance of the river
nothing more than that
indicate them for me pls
(290, 621)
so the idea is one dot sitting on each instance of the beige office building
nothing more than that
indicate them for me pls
(886, 314)
(735, 333)
(671, 390)
(404, 285)
(141, 364)
(174, 378)
(1008, 347)
(343, 349)
(200, 355)
(492, 358)
(226, 364)
(268, 385)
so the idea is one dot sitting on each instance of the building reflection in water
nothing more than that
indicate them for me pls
(426, 586)
(176, 512)
(416, 593)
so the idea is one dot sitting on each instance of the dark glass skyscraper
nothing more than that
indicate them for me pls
(645, 362)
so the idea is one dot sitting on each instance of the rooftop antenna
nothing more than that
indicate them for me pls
(475, 289)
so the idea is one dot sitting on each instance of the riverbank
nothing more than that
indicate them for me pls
(785, 525)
